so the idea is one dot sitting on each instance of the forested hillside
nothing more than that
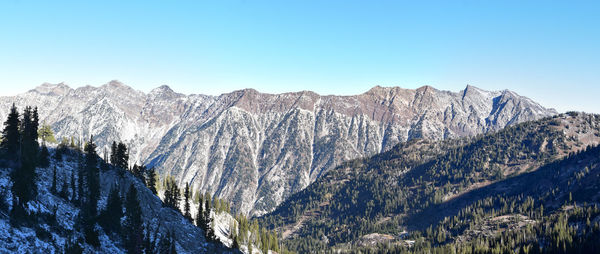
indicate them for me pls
(63, 198)
(497, 191)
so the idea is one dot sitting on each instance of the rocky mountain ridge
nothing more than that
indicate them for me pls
(256, 149)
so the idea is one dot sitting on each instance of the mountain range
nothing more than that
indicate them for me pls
(256, 149)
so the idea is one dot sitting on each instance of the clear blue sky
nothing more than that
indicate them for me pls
(546, 50)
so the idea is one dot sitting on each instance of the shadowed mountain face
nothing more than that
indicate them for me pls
(257, 149)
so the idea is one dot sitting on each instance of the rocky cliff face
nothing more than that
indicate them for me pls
(256, 149)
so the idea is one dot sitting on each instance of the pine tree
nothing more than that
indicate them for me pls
(122, 156)
(139, 171)
(81, 183)
(90, 192)
(133, 228)
(53, 188)
(207, 202)
(45, 133)
(264, 241)
(58, 153)
(200, 217)
(44, 160)
(210, 233)
(60, 150)
(104, 166)
(113, 153)
(151, 180)
(217, 205)
(111, 216)
(186, 195)
(29, 134)
(24, 188)
(235, 244)
(35, 124)
(92, 177)
(10, 134)
(274, 243)
(73, 187)
(172, 194)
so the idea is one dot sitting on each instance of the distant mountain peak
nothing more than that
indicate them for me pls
(471, 90)
(59, 89)
(164, 92)
(247, 91)
(116, 85)
(426, 88)
(378, 89)
(384, 91)
(162, 89)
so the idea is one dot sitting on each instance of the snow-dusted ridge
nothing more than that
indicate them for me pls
(256, 149)
(188, 238)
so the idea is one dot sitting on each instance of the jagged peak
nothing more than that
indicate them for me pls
(308, 93)
(426, 88)
(162, 89)
(507, 92)
(115, 84)
(118, 87)
(249, 91)
(473, 91)
(47, 85)
(469, 89)
(242, 94)
(384, 90)
(52, 89)
(378, 89)
(510, 95)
